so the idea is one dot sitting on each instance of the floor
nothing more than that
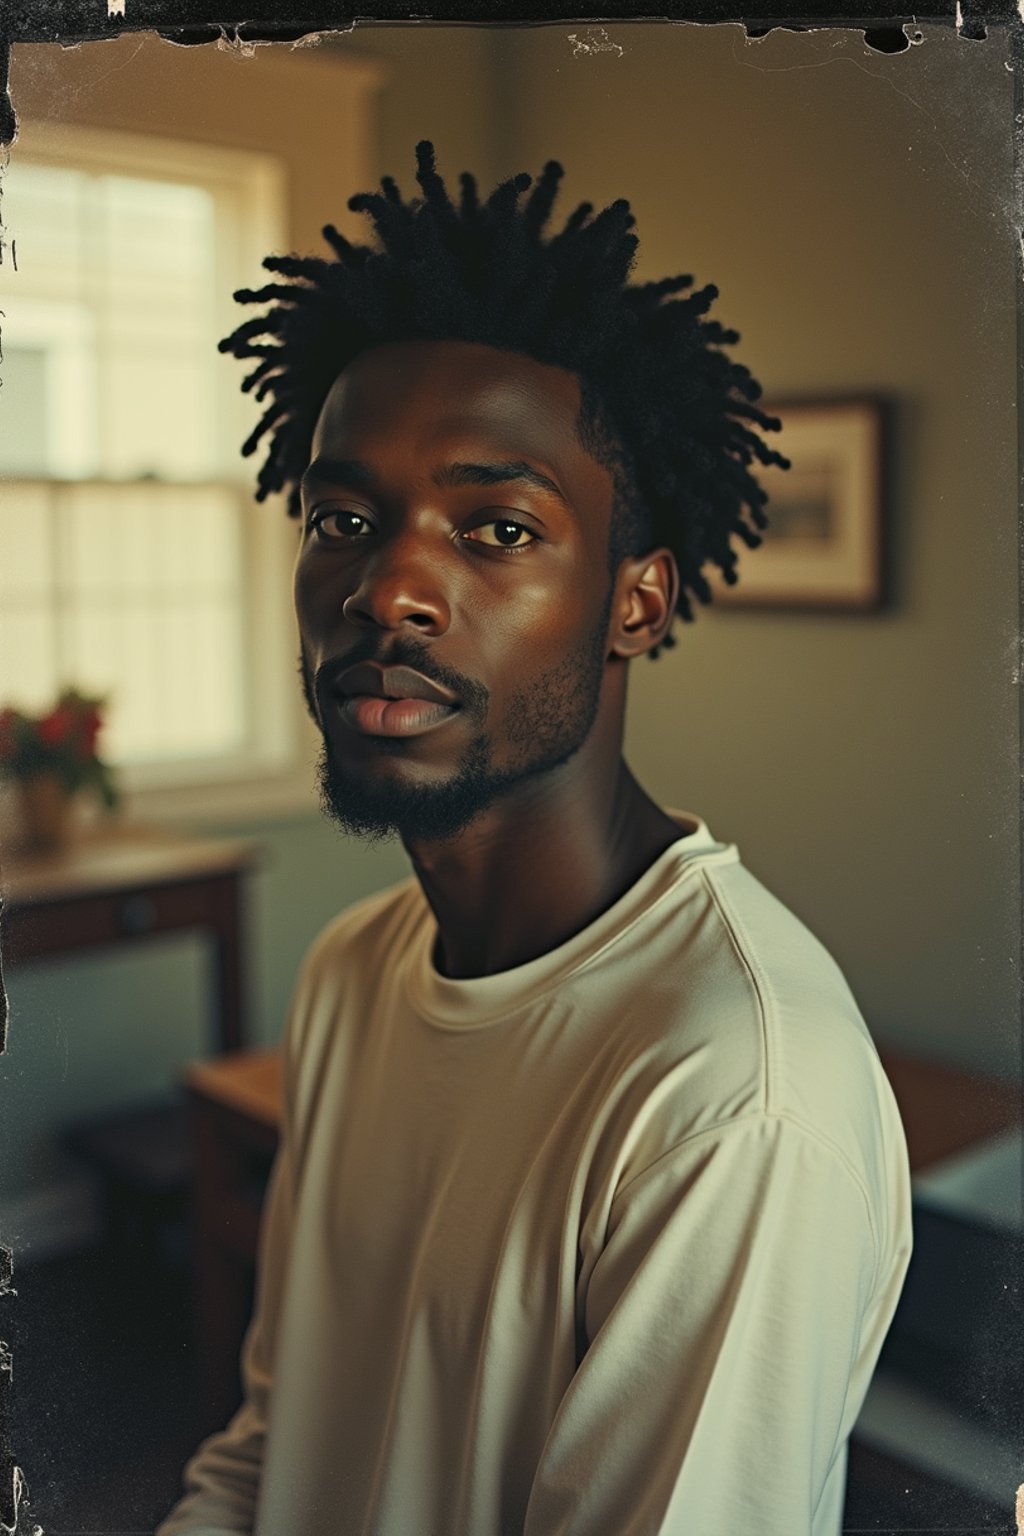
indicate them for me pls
(102, 1411)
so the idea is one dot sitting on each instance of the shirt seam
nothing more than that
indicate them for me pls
(809, 1131)
(745, 951)
(757, 982)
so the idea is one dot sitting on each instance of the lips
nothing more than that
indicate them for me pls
(370, 679)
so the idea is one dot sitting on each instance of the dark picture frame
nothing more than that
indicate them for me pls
(822, 548)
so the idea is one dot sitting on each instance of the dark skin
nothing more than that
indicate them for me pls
(502, 591)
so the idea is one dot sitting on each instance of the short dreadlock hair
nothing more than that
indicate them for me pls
(663, 407)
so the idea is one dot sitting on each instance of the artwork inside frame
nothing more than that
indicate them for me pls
(822, 546)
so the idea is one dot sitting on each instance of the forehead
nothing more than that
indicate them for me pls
(433, 396)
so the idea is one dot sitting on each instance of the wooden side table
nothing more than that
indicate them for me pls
(116, 888)
(123, 886)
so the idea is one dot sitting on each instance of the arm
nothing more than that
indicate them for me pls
(222, 1478)
(725, 1314)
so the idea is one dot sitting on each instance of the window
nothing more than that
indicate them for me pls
(133, 560)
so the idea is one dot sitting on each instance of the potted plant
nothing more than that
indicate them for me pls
(51, 757)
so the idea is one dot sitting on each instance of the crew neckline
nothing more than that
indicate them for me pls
(479, 1000)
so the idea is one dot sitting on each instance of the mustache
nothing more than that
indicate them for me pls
(405, 653)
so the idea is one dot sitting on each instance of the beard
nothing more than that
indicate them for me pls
(546, 723)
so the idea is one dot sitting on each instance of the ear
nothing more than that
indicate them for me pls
(647, 590)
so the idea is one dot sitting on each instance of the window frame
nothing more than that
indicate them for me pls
(274, 777)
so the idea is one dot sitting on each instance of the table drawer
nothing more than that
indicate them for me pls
(33, 931)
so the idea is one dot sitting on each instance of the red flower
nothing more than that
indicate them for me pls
(57, 726)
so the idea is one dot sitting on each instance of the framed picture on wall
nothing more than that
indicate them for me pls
(822, 546)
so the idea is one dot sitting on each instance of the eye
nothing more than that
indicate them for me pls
(507, 535)
(343, 519)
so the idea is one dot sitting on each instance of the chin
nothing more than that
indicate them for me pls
(377, 806)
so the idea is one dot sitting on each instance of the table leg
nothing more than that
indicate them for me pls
(228, 963)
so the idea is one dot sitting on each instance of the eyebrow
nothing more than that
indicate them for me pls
(346, 471)
(361, 476)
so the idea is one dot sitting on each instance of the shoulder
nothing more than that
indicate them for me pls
(819, 1067)
(749, 1025)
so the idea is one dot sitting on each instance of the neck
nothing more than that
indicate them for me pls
(539, 867)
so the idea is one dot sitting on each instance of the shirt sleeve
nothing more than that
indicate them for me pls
(222, 1477)
(722, 1322)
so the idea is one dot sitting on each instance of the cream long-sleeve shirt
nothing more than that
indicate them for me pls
(603, 1245)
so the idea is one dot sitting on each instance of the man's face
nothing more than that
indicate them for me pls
(452, 523)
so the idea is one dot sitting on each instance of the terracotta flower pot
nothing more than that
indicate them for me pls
(45, 812)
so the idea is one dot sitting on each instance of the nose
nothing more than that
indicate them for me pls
(400, 585)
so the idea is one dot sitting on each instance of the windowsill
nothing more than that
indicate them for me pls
(266, 797)
(185, 797)
(283, 795)
(223, 795)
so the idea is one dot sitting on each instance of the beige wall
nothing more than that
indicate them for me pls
(279, 102)
(855, 218)
(857, 221)
(439, 83)
(310, 105)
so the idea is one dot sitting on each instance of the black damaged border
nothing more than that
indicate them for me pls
(71, 21)
(78, 21)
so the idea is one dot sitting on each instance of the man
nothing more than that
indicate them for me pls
(591, 1209)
